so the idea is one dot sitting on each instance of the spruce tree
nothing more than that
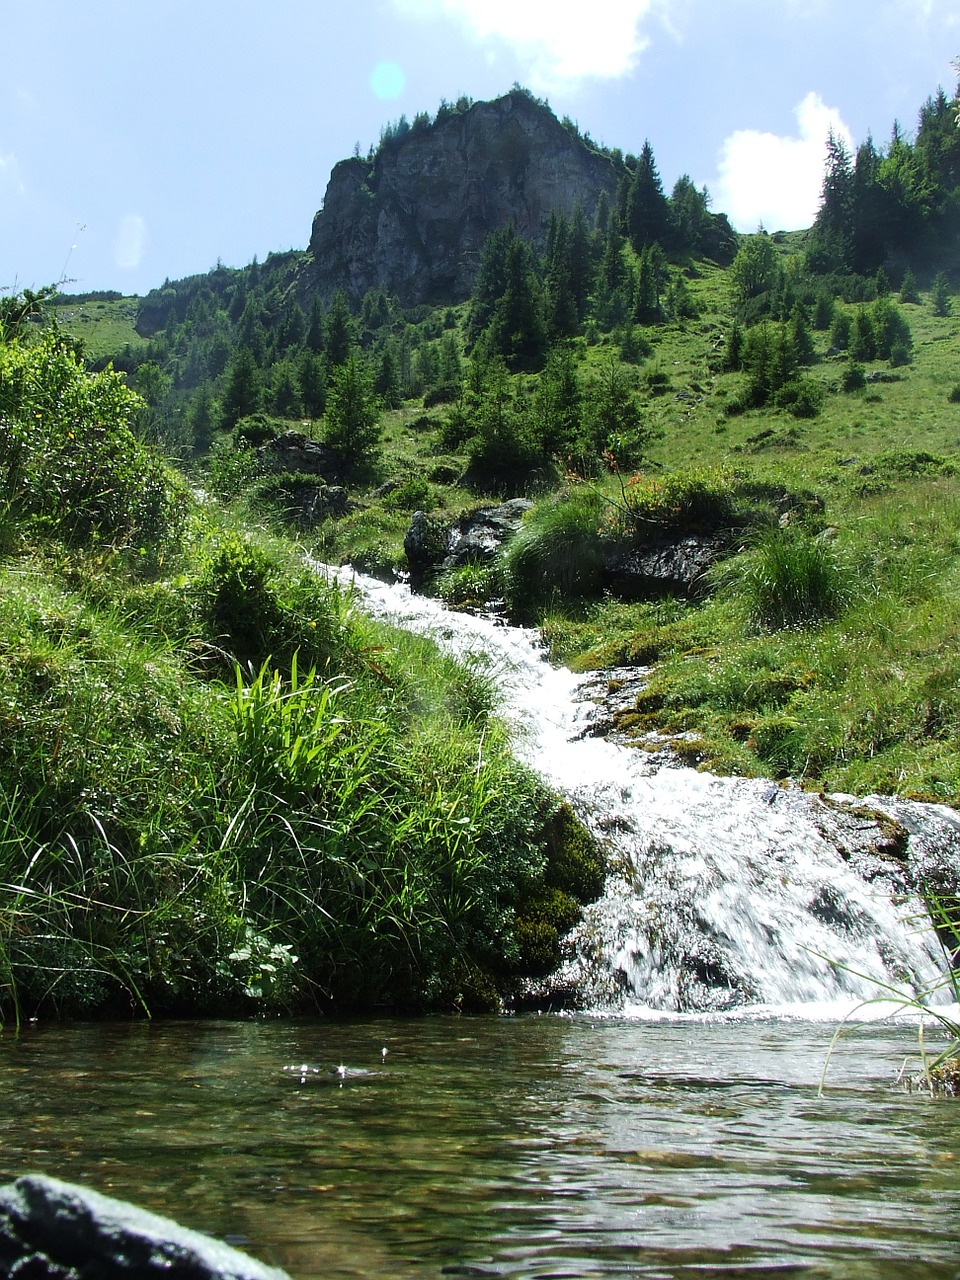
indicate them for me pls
(353, 414)
(940, 295)
(244, 389)
(647, 215)
(339, 330)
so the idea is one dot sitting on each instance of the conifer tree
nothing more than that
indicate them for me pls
(244, 389)
(559, 404)
(940, 295)
(647, 214)
(339, 330)
(316, 330)
(386, 382)
(312, 374)
(353, 414)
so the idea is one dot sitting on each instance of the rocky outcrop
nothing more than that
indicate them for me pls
(414, 219)
(53, 1230)
(673, 564)
(432, 546)
(295, 452)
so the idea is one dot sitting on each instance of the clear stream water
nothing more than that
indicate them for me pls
(676, 1131)
(515, 1147)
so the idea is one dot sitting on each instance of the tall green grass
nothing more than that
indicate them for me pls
(342, 826)
(789, 578)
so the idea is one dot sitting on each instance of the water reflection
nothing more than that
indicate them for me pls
(526, 1147)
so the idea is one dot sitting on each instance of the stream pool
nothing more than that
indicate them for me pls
(515, 1147)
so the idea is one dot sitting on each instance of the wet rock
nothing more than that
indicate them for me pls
(672, 565)
(476, 537)
(479, 535)
(53, 1230)
(295, 452)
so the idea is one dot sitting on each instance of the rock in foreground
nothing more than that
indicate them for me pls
(53, 1230)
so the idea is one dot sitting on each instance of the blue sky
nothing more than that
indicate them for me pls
(145, 139)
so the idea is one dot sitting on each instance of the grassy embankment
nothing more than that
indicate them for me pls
(827, 648)
(223, 788)
(823, 648)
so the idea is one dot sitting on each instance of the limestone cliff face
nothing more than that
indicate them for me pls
(414, 220)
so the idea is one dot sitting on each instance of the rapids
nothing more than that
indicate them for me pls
(723, 892)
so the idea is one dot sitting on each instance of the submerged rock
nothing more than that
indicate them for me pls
(53, 1230)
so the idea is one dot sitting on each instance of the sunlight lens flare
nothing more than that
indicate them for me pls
(387, 80)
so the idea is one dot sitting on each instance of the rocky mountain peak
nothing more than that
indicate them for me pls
(413, 218)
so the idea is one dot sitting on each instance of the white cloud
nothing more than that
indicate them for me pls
(774, 180)
(131, 240)
(558, 40)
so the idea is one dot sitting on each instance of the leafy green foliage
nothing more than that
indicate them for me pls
(68, 456)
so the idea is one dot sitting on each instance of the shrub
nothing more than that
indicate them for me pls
(415, 493)
(445, 393)
(699, 501)
(854, 377)
(803, 399)
(68, 454)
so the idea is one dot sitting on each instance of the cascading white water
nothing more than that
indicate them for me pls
(723, 892)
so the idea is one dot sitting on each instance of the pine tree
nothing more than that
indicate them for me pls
(316, 329)
(202, 419)
(244, 390)
(353, 414)
(490, 282)
(339, 330)
(647, 215)
(616, 422)
(285, 393)
(830, 239)
(800, 336)
(386, 382)
(563, 320)
(558, 404)
(940, 295)
(516, 328)
(312, 374)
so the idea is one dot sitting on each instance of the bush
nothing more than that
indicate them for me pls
(854, 377)
(691, 501)
(803, 399)
(415, 493)
(445, 393)
(68, 454)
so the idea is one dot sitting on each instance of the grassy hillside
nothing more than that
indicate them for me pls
(224, 790)
(856, 691)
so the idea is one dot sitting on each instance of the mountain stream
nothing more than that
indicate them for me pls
(724, 892)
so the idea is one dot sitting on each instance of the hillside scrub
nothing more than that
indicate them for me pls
(224, 788)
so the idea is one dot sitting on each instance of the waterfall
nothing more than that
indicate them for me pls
(723, 893)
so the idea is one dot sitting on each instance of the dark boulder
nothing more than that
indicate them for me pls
(295, 452)
(672, 565)
(53, 1230)
(432, 546)
(478, 535)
